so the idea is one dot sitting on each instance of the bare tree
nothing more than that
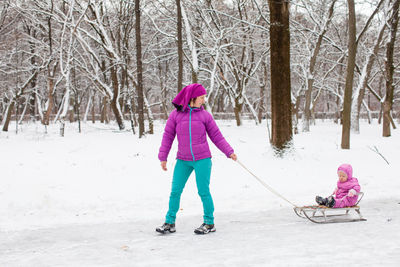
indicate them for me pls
(263, 92)
(100, 21)
(31, 31)
(52, 67)
(238, 55)
(223, 47)
(389, 67)
(358, 94)
(192, 46)
(280, 74)
(180, 45)
(139, 68)
(362, 84)
(352, 48)
(311, 67)
(66, 54)
(14, 99)
(16, 65)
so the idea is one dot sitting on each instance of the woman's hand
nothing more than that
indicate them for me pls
(233, 156)
(164, 165)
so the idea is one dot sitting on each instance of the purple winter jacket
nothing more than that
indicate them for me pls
(342, 199)
(190, 126)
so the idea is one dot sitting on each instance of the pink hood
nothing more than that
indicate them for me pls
(347, 169)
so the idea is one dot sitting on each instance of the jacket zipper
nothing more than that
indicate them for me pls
(190, 132)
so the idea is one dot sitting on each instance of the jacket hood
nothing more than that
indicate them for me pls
(347, 169)
(182, 99)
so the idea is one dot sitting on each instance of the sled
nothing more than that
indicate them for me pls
(322, 214)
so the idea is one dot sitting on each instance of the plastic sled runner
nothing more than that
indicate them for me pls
(322, 214)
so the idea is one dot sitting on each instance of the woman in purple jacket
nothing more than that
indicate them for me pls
(190, 123)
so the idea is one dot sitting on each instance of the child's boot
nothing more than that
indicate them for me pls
(321, 200)
(330, 202)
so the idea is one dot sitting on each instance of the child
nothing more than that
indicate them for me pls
(191, 124)
(345, 194)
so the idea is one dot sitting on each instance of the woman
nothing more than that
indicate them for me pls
(190, 123)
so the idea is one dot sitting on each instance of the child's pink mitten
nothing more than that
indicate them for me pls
(352, 193)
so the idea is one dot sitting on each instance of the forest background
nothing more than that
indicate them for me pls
(125, 60)
(93, 196)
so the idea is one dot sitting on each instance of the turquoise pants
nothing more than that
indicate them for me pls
(182, 171)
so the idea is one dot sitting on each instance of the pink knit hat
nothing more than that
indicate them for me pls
(181, 101)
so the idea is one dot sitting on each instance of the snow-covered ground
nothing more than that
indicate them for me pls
(95, 198)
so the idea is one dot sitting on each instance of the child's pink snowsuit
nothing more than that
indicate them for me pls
(341, 197)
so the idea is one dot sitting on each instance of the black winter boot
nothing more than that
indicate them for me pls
(321, 200)
(330, 202)
(166, 227)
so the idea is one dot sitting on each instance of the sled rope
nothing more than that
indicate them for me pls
(266, 185)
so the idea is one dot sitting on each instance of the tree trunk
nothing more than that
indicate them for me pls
(219, 101)
(7, 118)
(237, 109)
(263, 89)
(115, 100)
(21, 118)
(32, 101)
(88, 105)
(93, 108)
(150, 116)
(280, 74)
(389, 67)
(180, 45)
(71, 110)
(134, 111)
(163, 89)
(78, 113)
(261, 107)
(51, 72)
(104, 111)
(32, 97)
(352, 48)
(139, 88)
(295, 115)
(131, 115)
(50, 98)
(307, 105)
(338, 114)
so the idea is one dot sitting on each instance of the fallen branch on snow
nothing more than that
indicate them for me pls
(377, 151)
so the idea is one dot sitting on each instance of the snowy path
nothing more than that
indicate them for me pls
(269, 237)
(94, 199)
